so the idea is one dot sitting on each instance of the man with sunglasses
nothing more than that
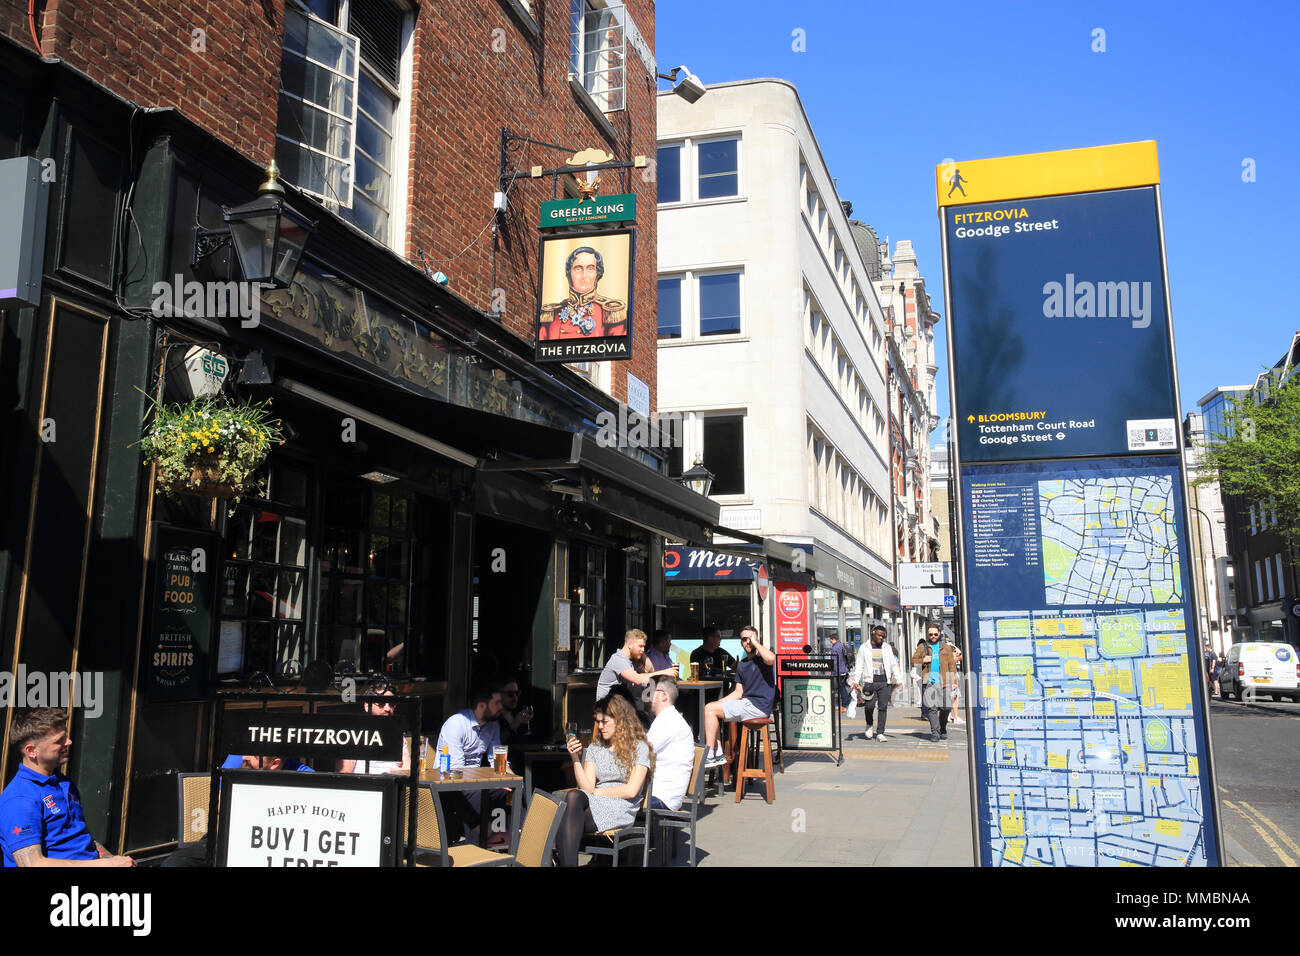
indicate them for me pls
(512, 715)
(935, 663)
(380, 708)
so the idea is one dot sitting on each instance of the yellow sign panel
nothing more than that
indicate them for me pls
(1047, 174)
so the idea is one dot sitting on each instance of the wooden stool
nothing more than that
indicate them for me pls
(745, 773)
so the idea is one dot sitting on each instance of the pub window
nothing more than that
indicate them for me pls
(638, 590)
(366, 575)
(263, 580)
(587, 604)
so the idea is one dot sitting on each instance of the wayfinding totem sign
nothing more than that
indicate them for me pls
(1090, 740)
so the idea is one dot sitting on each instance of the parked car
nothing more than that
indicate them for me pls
(1259, 668)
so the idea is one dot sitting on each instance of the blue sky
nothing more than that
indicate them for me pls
(894, 89)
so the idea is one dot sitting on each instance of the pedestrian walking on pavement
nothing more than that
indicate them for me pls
(875, 675)
(936, 665)
(840, 653)
(955, 719)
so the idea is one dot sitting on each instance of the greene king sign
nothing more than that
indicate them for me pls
(571, 212)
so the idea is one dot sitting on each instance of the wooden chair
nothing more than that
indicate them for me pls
(612, 842)
(688, 815)
(192, 791)
(429, 827)
(761, 730)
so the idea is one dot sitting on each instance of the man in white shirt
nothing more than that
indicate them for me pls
(876, 674)
(674, 746)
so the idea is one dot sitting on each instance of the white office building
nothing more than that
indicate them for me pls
(772, 343)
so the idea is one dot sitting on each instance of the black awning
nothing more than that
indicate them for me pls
(608, 480)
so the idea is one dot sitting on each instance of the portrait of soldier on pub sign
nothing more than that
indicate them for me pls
(586, 305)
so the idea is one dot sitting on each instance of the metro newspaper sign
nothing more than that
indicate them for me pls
(1089, 735)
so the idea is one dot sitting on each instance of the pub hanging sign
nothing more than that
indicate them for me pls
(585, 312)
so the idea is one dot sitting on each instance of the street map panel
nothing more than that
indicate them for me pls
(1089, 719)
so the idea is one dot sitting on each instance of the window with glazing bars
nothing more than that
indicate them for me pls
(596, 51)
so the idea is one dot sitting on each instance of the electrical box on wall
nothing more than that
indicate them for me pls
(24, 202)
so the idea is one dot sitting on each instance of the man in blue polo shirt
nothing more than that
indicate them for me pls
(41, 823)
(751, 699)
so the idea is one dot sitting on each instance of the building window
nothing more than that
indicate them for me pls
(1281, 584)
(341, 119)
(668, 172)
(720, 303)
(670, 308)
(724, 452)
(318, 80)
(596, 49)
(718, 164)
(694, 170)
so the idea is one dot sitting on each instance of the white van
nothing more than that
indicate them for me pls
(1255, 669)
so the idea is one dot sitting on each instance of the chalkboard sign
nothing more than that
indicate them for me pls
(177, 652)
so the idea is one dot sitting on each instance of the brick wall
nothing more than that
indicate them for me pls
(476, 69)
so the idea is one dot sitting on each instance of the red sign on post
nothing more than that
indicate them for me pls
(763, 582)
(791, 617)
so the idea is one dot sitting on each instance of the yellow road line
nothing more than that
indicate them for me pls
(1286, 860)
(937, 756)
(1281, 835)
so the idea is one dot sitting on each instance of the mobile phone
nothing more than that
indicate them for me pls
(570, 736)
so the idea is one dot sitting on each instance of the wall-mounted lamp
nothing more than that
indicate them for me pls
(267, 233)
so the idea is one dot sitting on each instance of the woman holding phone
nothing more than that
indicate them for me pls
(610, 775)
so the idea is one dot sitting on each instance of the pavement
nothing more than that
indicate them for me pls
(904, 802)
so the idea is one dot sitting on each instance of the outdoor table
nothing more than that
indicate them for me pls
(701, 689)
(480, 778)
(532, 753)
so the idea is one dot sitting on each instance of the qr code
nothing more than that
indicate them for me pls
(1148, 436)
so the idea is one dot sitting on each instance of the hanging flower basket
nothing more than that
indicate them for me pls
(209, 448)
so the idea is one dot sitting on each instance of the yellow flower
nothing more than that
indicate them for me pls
(193, 446)
(209, 449)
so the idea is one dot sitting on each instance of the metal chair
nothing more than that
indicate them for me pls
(637, 833)
(192, 791)
(686, 817)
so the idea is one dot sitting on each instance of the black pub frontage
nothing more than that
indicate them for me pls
(440, 511)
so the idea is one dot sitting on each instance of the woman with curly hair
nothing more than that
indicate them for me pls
(610, 776)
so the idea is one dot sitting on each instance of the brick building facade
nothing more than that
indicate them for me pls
(443, 504)
(475, 67)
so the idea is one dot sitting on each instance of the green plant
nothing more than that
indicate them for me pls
(207, 447)
(1257, 453)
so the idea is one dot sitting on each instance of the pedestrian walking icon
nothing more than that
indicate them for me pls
(955, 181)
